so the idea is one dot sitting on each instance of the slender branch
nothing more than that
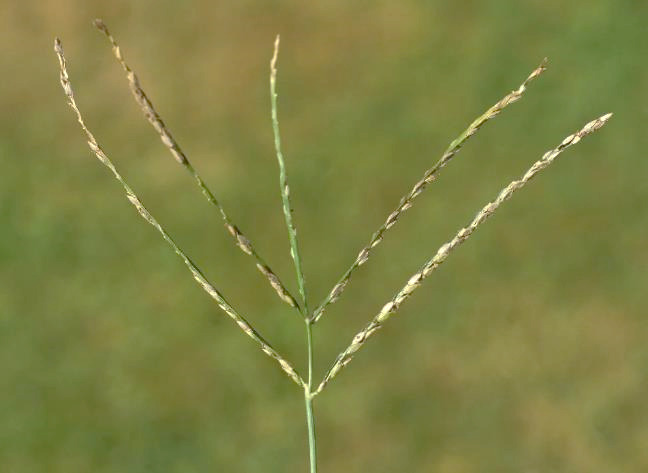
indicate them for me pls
(283, 182)
(197, 274)
(172, 145)
(415, 281)
(429, 176)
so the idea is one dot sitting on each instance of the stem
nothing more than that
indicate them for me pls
(283, 182)
(294, 252)
(308, 398)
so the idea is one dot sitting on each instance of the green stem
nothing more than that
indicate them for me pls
(283, 182)
(308, 398)
(294, 251)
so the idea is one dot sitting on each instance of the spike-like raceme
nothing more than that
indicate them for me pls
(132, 197)
(429, 176)
(442, 253)
(172, 145)
(283, 182)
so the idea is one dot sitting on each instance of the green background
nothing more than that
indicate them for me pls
(526, 352)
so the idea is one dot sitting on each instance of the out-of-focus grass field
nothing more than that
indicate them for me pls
(526, 352)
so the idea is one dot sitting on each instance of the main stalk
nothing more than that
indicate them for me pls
(308, 398)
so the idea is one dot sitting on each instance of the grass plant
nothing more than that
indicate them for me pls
(302, 305)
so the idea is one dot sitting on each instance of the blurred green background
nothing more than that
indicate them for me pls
(526, 352)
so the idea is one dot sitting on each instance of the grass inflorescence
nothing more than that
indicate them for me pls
(311, 388)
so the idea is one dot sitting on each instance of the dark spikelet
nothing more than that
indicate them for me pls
(276, 284)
